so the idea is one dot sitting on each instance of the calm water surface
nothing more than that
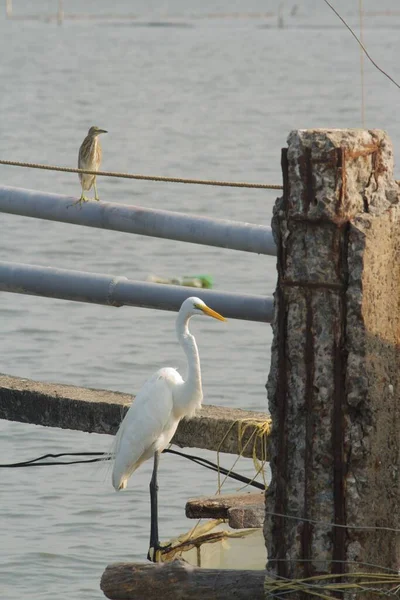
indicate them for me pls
(200, 96)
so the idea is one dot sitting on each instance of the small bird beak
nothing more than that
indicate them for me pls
(212, 313)
(102, 131)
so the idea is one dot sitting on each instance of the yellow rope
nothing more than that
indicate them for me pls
(322, 586)
(220, 484)
(263, 431)
(237, 184)
(205, 535)
(260, 433)
(260, 430)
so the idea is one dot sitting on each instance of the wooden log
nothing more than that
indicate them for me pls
(217, 507)
(178, 580)
(335, 367)
(101, 411)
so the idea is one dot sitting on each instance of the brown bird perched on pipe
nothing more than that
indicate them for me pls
(89, 158)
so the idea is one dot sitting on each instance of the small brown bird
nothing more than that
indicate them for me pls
(89, 158)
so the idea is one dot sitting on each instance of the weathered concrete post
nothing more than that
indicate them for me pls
(334, 383)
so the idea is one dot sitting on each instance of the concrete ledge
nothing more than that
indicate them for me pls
(101, 411)
(248, 517)
(218, 507)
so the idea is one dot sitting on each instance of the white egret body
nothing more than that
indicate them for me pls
(149, 424)
(154, 415)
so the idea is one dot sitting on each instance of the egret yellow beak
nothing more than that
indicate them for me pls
(212, 313)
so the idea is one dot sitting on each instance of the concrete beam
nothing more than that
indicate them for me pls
(101, 411)
(217, 507)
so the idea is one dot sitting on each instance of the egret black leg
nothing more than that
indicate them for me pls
(154, 539)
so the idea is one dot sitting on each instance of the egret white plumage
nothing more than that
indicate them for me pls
(153, 417)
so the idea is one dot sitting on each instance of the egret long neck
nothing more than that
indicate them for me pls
(193, 379)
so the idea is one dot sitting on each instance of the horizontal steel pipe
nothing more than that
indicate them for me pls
(142, 221)
(119, 291)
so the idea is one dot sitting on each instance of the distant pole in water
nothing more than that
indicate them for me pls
(361, 15)
(281, 23)
(60, 12)
(9, 8)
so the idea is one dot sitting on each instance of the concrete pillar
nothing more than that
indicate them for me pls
(334, 382)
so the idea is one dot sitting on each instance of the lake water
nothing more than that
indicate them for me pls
(184, 90)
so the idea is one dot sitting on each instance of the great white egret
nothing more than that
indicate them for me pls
(153, 417)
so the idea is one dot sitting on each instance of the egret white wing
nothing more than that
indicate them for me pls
(148, 425)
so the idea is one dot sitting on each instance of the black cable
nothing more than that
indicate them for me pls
(34, 462)
(103, 456)
(213, 467)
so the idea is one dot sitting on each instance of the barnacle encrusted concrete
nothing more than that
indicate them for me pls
(334, 381)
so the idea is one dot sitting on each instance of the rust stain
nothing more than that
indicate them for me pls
(281, 501)
(343, 188)
(366, 151)
(309, 180)
(312, 285)
(338, 422)
(302, 162)
(336, 249)
(337, 159)
(285, 173)
(314, 221)
(378, 167)
(307, 528)
(343, 212)
(305, 166)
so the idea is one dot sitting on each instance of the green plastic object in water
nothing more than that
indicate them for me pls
(196, 281)
(206, 280)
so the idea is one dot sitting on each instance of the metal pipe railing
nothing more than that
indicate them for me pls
(119, 291)
(142, 221)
